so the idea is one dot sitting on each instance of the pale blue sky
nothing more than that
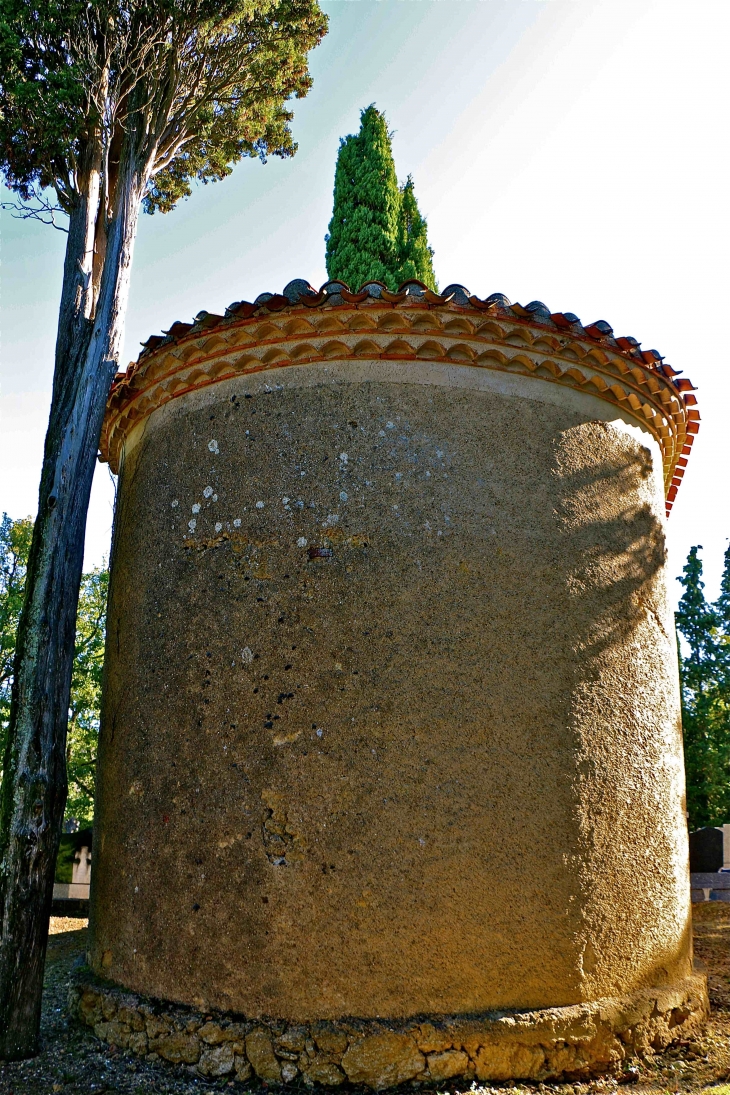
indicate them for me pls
(571, 151)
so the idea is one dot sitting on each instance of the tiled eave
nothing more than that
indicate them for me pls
(302, 326)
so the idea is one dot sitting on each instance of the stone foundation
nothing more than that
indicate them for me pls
(548, 1044)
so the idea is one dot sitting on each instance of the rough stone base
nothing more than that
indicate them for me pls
(551, 1043)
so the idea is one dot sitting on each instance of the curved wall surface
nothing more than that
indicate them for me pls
(391, 720)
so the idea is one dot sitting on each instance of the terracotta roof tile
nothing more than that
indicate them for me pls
(625, 380)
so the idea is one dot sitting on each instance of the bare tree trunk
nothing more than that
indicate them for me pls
(34, 784)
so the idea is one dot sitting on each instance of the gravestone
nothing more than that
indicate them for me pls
(706, 851)
(73, 874)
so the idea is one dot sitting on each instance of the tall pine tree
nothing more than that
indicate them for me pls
(116, 106)
(705, 681)
(377, 232)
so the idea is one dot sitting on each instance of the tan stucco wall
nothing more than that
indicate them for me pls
(476, 767)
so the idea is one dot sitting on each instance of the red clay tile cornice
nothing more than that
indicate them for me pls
(303, 326)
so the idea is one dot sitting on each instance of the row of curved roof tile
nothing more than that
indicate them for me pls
(333, 293)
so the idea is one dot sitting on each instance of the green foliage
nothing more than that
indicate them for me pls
(414, 254)
(83, 719)
(43, 103)
(205, 82)
(705, 679)
(377, 232)
(271, 40)
(65, 858)
(15, 537)
(361, 244)
(85, 702)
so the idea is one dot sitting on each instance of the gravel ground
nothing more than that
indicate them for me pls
(73, 1062)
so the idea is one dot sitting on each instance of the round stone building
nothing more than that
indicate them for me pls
(390, 766)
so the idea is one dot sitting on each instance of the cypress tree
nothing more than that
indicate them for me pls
(415, 256)
(361, 243)
(377, 232)
(705, 682)
(696, 622)
(722, 604)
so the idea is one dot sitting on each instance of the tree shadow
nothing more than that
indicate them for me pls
(628, 785)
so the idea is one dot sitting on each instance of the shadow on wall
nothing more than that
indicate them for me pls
(629, 780)
(621, 544)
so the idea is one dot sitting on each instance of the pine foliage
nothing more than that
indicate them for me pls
(377, 232)
(205, 81)
(705, 680)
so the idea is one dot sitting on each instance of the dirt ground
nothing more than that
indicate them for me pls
(73, 1062)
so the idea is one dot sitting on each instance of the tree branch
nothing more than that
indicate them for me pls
(44, 210)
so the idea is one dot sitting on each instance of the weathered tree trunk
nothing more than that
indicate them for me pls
(34, 784)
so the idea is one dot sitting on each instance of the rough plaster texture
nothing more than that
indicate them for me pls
(391, 719)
